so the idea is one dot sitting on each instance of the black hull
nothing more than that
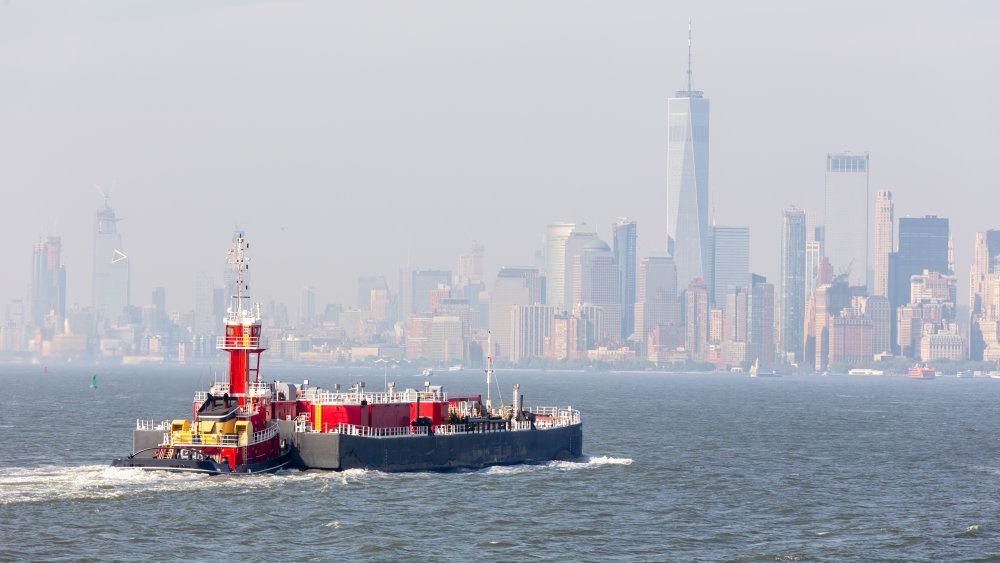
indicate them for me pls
(331, 451)
(435, 452)
(205, 466)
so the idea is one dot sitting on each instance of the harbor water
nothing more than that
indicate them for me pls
(677, 467)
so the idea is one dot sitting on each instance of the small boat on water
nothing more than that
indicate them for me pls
(756, 372)
(922, 372)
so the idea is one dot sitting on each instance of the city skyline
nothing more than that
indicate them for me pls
(174, 186)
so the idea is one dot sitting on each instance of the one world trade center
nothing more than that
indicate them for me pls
(687, 181)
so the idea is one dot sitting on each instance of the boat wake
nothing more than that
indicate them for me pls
(101, 482)
(21, 485)
(586, 462)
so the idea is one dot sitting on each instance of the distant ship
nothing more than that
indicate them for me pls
(755, 371)
(922, 372)
(247, 425)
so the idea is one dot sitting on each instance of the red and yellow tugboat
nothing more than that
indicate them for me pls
(231, 430)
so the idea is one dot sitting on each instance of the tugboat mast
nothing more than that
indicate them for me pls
(243, 328)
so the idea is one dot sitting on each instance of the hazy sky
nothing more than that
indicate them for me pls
(348, 136)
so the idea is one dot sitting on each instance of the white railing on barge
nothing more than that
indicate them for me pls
(549, 417)
(355, 398)
(141, 424)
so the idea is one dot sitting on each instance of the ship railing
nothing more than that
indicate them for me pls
(141, 424)
(511, 426)
(550, 417)
(259, 389)
(182, 439)
(372, 432)
(353, 398)
(240, 342)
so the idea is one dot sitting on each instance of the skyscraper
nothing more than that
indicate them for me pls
(656, 299)
(595, 282)
(48, 285)
(696, 320)
(556, 236)
(760, 329)
(111, 271)
(793, 281)
(730, 262)
(415, 287)
(367, 284)
(883, 242)
(514, 286)
(984, 298)
(846, 215)
(624, 248)
(579, 238)
(532, 324)
(687, 180)
(923, 245)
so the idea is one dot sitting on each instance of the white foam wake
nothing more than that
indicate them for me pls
(41, 484)
(584, 463)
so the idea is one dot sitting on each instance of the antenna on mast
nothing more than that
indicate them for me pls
(690, 88)
(489, 367)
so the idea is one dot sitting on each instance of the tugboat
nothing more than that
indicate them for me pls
(232, 430)
(246, 425)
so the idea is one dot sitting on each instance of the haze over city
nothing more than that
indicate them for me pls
(351, 138)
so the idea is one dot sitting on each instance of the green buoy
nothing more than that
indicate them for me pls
(93, 382)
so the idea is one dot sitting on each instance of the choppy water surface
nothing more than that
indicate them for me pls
(677, 467)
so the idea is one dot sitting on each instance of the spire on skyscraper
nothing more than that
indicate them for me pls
(689, 57)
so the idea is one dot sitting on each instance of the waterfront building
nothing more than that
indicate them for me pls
(846, 215)
(793, 282)
(850, 339)
(687, 180)
(624, 249)
(931, 310)
(943, 344)
(884, 239)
